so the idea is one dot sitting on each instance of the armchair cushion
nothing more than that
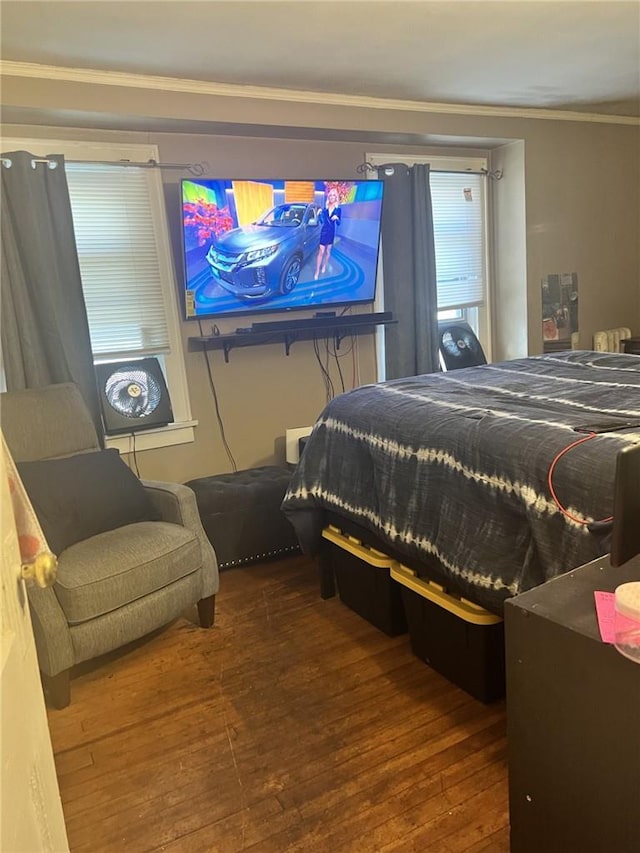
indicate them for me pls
(116, 568)
(80, 496)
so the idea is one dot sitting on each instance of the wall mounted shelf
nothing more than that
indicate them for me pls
(291, 331)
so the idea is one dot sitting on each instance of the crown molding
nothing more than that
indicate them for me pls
(94, 77)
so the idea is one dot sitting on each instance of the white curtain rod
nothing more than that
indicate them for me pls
(195, 169)
(495, 174)
(198, 169)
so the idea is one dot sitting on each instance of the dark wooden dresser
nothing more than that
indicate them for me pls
(573, 718)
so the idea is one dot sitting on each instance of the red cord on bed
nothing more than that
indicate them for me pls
(550, 481)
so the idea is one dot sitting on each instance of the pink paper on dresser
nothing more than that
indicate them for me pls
(606, 612)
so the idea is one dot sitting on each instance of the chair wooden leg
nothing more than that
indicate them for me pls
(206, 611)
(57, 688)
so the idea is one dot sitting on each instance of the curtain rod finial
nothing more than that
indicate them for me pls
(365, 167)
(494, 174)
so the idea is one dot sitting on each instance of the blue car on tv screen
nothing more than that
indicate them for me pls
(259, 260)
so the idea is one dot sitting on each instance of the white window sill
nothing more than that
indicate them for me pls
(148, 439)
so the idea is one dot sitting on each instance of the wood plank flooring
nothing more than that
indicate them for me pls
(291, 725)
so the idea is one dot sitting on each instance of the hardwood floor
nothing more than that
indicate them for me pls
(291, 725)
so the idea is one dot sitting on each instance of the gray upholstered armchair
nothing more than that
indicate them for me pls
(118, 585)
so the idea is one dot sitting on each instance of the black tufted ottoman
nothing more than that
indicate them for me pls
(241, 514)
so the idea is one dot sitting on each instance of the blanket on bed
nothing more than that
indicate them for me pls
(454, 467)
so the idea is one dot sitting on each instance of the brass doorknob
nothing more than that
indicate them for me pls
(43, 570)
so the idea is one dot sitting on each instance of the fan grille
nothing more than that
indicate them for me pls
(132, 392)
(459, 347)
(458, 342)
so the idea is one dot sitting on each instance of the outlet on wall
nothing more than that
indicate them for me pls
(292, 437)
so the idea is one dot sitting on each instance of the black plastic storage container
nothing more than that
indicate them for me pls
(363, 578)
(460, 640)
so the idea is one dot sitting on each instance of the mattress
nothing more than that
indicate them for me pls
(452, 469)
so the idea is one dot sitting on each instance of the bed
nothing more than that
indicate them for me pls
(449, 472)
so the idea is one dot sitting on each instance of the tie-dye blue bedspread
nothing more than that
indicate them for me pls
(454, 467)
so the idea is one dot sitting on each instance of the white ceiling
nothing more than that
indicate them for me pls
(582, 56)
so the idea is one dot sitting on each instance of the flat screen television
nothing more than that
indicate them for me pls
(252, 246)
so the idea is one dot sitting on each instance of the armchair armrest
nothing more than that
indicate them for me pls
(177, 504)
(50, 631)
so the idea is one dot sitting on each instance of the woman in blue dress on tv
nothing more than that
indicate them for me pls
(329, 218)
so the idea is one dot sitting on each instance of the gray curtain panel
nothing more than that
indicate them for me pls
(408, 255)
(44, 328)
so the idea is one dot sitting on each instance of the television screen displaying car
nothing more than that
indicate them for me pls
(274, 245)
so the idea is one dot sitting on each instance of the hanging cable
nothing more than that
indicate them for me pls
(333, 351)
(214, 393)
(337, 358)
(135, 455)
(326, 376)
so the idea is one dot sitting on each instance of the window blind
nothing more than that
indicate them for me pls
(458, 224)
(116, 240)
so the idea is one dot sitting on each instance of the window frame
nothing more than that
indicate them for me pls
(478, 317)
(173, 362)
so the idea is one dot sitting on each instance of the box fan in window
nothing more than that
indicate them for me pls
(459, 347)
(133, 396)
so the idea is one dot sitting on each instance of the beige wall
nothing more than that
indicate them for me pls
(569, 202)
(509, 254)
